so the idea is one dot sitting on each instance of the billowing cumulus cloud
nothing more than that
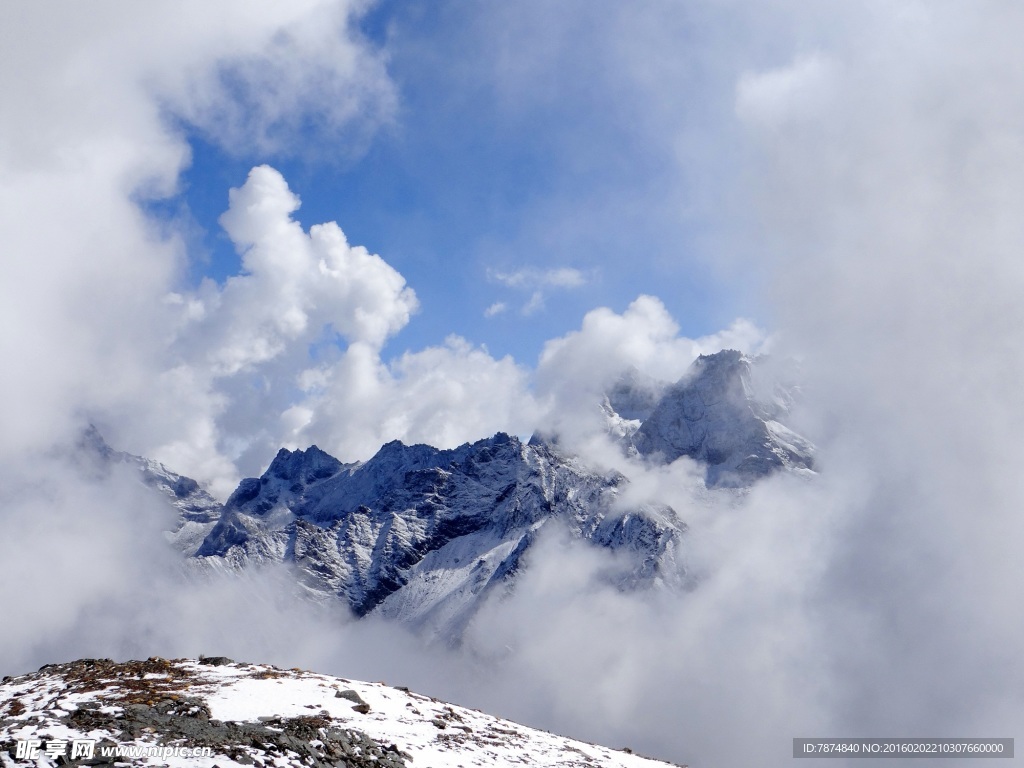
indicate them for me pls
(293, 286)
(296, 290)
(644, 336)
(94, 102)
(443, 396)
(576, 369)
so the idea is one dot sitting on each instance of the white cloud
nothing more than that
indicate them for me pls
(443, 396)
(890, 214)
(496, 309)
(238, 346)
(531, 277)
(539, 282)
(644, 336)
(535, 304)
(92, 96)
(295, 285)
(279, 72)
(575, 369)
(772, 98)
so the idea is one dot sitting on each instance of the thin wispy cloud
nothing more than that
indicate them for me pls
(495, 309)
(539, 283)
(532, 278)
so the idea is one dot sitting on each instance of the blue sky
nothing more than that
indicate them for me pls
(478, 175)
(529, 175)
(526, 172)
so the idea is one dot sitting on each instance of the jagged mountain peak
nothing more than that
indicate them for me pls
(186, 494)
(720, 372)
(91, 441)
(422, 533)
(311, 464)
(725, 412)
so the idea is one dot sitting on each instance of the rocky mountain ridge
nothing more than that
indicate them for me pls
(424, 535)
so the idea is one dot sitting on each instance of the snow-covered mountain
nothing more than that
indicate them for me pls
(214, 712)
(422, 534)
(726, 412)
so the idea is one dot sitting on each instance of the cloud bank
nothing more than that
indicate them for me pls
(889, 180)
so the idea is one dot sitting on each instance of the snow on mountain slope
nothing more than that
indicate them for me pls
(726, 414)
(421, 534)
(214, 712)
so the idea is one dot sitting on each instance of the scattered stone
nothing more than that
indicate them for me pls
(215, 661)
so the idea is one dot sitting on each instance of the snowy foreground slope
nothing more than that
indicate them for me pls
(214, 712)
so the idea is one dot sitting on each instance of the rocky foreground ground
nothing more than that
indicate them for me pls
(215, 712)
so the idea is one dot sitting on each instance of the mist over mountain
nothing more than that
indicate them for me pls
(425, 536)
(421, 534)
